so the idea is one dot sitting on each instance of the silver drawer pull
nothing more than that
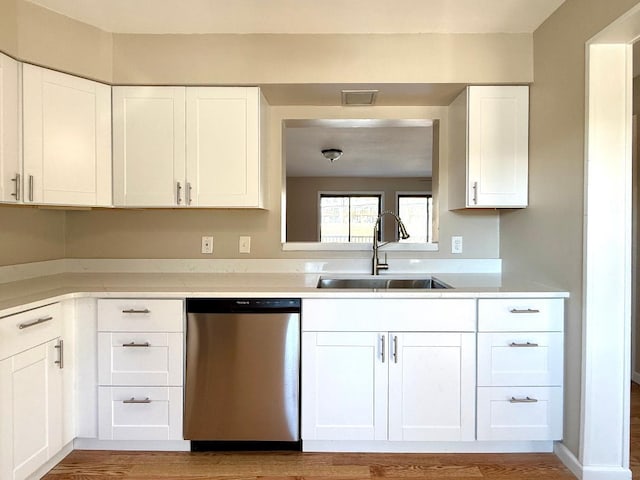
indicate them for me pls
(133, 400)
(133, 310)
(528, 344)
(134, 344)
(34, 323)
(523, 400)
(527, 310)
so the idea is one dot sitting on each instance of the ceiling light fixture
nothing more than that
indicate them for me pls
(332, 154)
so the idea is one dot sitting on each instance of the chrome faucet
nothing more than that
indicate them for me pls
(376, 265)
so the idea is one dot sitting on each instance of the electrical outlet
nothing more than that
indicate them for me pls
(245, 245)
(456, 244)
(207, 245)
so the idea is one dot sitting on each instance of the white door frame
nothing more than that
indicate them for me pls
(606, 342)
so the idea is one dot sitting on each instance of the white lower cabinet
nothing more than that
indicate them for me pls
(520, 369)
(387, 385)
(32, 424)
(140, 369)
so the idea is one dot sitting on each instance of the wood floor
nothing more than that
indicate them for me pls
(96, 465)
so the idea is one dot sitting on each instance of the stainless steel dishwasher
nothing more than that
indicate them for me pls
(242, 387)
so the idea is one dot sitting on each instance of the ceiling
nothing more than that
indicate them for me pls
(372, 148)
(307, 16)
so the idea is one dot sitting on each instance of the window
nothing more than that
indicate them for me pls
(415, 210)
(348, 218)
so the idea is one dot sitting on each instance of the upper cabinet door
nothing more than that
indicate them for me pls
(223, 147)
(67, 139)
(489, 148)
(498, 146)
(10, 161)
(149, 146)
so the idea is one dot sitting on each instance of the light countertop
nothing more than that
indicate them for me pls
(31, 293)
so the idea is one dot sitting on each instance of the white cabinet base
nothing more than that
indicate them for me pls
(425, 447)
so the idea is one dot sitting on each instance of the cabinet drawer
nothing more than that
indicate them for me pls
(519, 413)
(140, 413)
(140, 315)
(25, 330)
(130, 358)
(520, 358)
(521, 315)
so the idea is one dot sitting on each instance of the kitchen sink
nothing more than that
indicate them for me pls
(382, 283)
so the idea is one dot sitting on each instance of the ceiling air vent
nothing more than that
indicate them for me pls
(358, 97)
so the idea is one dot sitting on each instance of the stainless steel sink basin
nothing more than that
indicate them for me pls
(382, 283)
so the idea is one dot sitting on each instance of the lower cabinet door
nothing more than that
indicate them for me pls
(140, 413)
(31, 406)
(344, 386)
(432, 386)
(519, 413)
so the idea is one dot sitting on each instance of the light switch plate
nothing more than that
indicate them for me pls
(456, 244)
(207, 245)
(245, 245)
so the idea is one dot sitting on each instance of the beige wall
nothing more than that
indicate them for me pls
(29, 234)
(52, 40)
(544, 241)
(302, 200)
(176, 233)
(286, 59)
(9, 27)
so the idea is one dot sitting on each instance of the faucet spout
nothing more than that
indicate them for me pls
(376, 265)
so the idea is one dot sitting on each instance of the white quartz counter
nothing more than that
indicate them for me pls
(34, 292)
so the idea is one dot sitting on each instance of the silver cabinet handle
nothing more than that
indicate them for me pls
(382, 348)
(134, 344)
(527, 344)
(34, 322)
(526, 310)
(395, 349)
(523, 400)
(132, 310)
(178, 193)
(31, 188)
(475, 193)
(16, 192)
(133, 400)
(188, 193)
(60, 347)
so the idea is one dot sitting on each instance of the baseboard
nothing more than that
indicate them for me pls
(635, 377)
(589, 473)
(382, 446)
(606, 473)
(150, 445)
(567, 457)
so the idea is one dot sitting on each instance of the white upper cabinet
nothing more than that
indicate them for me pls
(148, 146)
(10, 161)
(187, 147)
(66, 138)
(489, 148)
